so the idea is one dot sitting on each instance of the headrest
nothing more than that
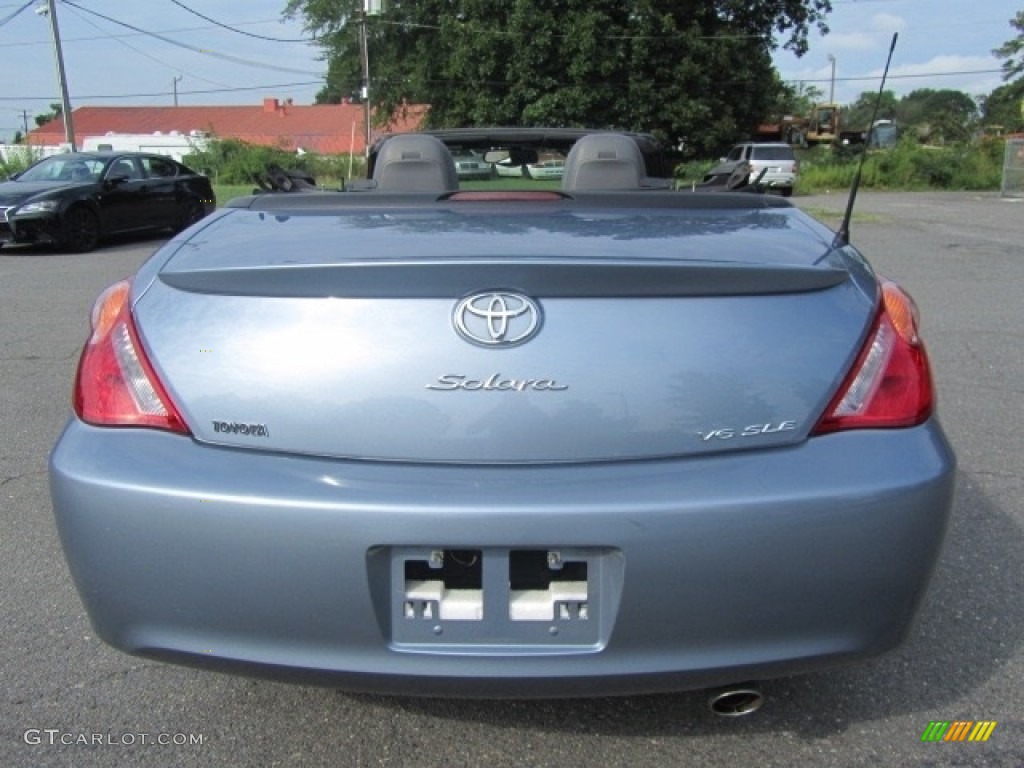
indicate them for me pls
(415, 162)
(604, 161)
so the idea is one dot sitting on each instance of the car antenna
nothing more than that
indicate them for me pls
(843, 235)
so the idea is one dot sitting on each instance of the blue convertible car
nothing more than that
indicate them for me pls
(598, 439)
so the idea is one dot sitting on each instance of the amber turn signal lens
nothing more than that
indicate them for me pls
(107, 309)
(902, 312)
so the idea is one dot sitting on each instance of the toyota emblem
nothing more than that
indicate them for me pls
(497, 319)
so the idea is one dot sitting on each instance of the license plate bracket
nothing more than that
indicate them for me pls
(466, 599)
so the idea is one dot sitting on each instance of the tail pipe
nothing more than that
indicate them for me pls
(736, 701)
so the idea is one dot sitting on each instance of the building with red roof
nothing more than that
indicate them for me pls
(321, 128)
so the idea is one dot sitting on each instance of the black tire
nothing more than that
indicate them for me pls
(193, 212)
(81, 230)
(786, 191)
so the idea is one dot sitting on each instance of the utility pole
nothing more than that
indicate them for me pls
(364, 57)
(175, 84)
(832, 83)
(69, 127)
(369, 8)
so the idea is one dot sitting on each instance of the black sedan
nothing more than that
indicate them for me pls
(75, 199)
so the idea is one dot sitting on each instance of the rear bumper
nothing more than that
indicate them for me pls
(776, 180)
(734, 567)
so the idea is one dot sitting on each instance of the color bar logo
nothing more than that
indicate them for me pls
(958, 730)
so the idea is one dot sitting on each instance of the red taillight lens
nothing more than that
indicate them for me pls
(890, 385)
(115, 384)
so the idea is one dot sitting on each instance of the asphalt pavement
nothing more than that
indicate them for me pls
(67, 699)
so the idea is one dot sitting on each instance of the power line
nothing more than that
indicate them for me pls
(12, 15)
(243, 32)
(148, 56)
(892, 77)
(32, 43)
(305, 83)
(236, 89)
(195, 49)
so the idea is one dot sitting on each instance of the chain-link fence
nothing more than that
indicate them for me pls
(1013, 169)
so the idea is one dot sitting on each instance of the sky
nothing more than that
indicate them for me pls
(942, 44)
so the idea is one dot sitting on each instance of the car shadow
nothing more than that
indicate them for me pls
(970, 625)
(111, 243)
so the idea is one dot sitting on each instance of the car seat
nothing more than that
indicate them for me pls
(124, 168)
(604, 161)
(413, 162)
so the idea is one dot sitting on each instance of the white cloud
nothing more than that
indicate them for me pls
(887, 23)
(970, 74)
(850, 41)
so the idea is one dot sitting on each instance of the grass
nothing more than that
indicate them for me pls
(833, 219)
(225, 192)
(907, 167)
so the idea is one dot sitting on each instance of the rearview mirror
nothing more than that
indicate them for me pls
(514, 156)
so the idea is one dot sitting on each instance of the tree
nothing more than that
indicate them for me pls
(1013, 50)
(934, 116)
(938, 116)
(694, 71)
(858, 115)
(805, 97)
(1004, 107)
(56, 110)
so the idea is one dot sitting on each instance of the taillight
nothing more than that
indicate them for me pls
(890, 385)
(115, 385)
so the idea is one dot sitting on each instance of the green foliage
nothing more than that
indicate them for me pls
(1004, 107)
(797, 100)
(17, 160)
(1013, 50)
(940, 116)
(692, 171)
(934, 116)
(970, 166)
(975, 166)
(56, 110)
(227, 192)
(230, 161)
(857, 116)
(698, 72)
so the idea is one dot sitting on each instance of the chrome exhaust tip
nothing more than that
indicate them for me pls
(736, 701)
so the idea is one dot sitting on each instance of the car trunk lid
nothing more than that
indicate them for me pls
(658, 336)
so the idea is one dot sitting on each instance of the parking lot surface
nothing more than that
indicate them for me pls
(67, 699)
